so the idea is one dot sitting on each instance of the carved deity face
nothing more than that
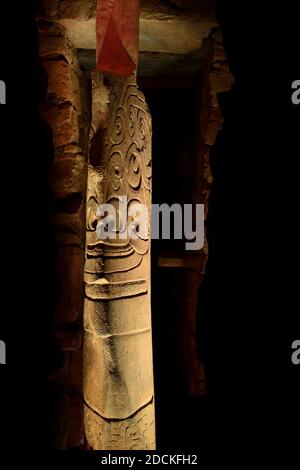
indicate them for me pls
(124, 172)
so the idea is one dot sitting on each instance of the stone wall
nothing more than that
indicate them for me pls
(216, 79)
(66, 111)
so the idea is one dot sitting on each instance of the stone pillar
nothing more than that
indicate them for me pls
(118, 373)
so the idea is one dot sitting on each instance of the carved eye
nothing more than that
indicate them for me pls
(134, 171)
(142, 129)
(118, 131)
(135, 164)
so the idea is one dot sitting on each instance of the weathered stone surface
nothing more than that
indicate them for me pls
(55, 48)
(63, 122)
(134, 433)
(174, 36)
(66, 111)
(85, 114)
(219, 80)
(118, 375)
(84, 10)
(69, 150)
(55, 45)
(63, 83)
(173, 26)
(76, 9)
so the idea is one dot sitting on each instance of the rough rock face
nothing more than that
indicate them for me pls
(66, 111)
(84, 10)
(76, 9)
(219, 80)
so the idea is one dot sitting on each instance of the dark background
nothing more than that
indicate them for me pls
(250, 291)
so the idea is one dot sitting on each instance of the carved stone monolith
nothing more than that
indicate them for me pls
(118, 372)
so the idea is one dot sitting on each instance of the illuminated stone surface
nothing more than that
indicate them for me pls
(118, 374)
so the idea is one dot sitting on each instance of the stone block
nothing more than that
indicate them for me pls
(57, 47)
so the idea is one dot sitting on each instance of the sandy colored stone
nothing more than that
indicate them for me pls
(117, 360)
(134, 433)
(174, 36)
(63, 83)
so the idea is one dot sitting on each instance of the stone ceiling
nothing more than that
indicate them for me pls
(173, 33)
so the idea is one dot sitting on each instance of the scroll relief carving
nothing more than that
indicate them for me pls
(118, 372)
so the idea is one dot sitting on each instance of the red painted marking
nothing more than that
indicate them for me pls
(117, 30)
